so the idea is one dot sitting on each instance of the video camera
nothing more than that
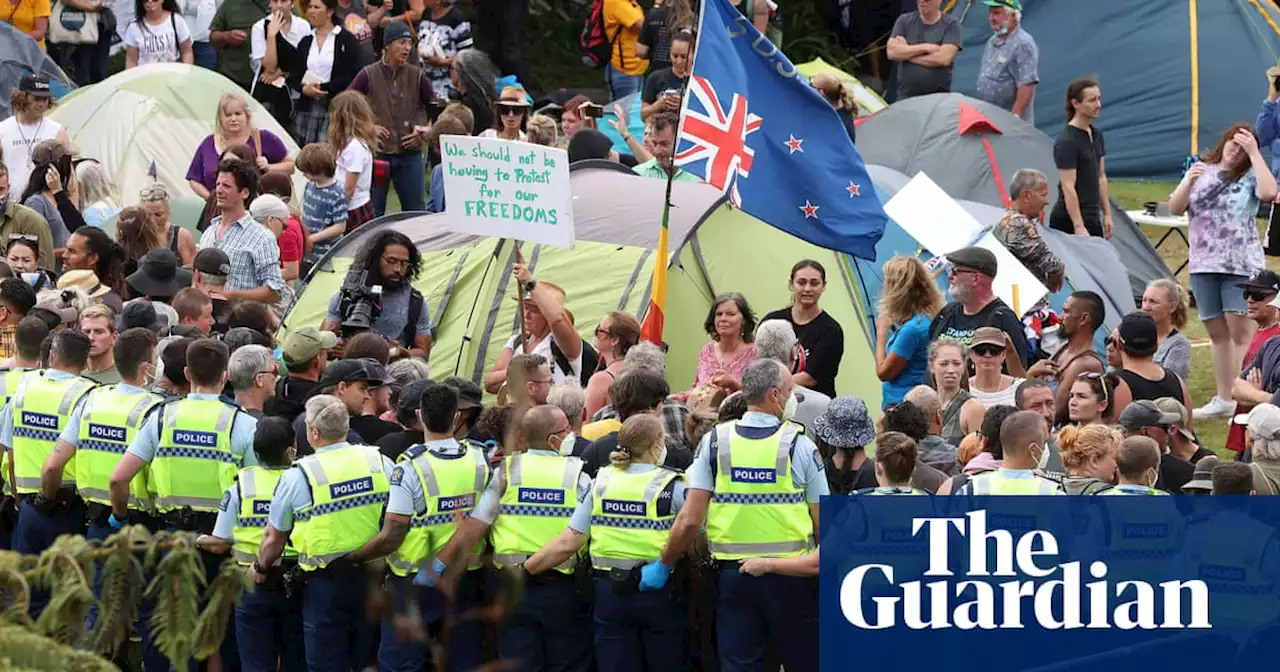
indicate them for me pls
(359, 305)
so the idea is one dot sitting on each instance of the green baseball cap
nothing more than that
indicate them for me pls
(1011, 4)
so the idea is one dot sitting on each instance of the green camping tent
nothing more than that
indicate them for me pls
(869, 102)
(617, 215)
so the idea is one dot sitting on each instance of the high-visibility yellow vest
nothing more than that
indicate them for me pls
(756, 510)
(41, 409)
(257, 485)
(9, 379)
(890, 490)
(541, 494)
(998, 483)
(1143, 537)
(349, 490)
(450, 486)
(108, 422)
(1227, 552)
(627, 530)
(1126, 491)
(193, 463)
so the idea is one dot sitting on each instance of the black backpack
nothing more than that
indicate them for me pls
(594, 42)
(590, 361)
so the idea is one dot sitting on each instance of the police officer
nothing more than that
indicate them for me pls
(432, 483)
(35, 416)
(529, 500)
(268, 619)
(756, 483)
(1138, 465)
(101, 429)
(628, 516)
(895, 460)
(28, 337)
(1024, 436)
(329, 504)
(194, 446)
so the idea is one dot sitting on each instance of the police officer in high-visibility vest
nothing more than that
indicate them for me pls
(268, 620)
(328, 505)
(433, 482)
(756, 483)
(529, 500)
(628, 517)
(1027, 435)
(1138, 467)
(33, 419)
(192, 448)
(100, 431)
(895, 460)
(28, 336)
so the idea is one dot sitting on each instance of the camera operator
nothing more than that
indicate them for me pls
(378, 294)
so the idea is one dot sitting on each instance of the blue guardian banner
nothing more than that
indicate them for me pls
(996, 584)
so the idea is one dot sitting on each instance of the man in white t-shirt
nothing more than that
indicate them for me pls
(28, 127)
(550, 328)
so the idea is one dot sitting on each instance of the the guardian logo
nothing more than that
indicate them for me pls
(261, 507)
(106, 432)
(540, 496)
(457, 503)
(752, 475)
(621, 507)
(39, 420)
(1039, 588)
(348, 488)
(186, 437)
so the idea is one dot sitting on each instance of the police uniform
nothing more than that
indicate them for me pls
(268, 623)
(454, 475)
(101, 429)
(890, 490)
(9, 379)
(1143, 538)
(333, 502)
(628, 515)
(763, 476)
(1238, 558)
(1010, 482)
(34, 418)
(528, 502)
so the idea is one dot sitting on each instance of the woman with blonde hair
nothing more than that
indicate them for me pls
(155, 201)
(233, 125)
(353, 134)
(541, 130)
(1166, 302)
(839, 97)
(96, 192)
(618, 331)
(1089, 458)
(949, 371)
(647, 493)
(909, 300)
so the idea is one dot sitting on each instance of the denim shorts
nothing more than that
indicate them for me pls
(1217, 293)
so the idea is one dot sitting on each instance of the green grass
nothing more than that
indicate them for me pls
(1212, 433)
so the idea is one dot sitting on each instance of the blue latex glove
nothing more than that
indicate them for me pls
(428, 577)
(654, 575)
(116, 523)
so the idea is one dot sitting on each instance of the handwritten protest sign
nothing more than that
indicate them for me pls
(507, 189)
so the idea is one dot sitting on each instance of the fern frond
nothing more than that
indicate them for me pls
(15, 596)
(120, 591)
(179, 578)
(22, 650)
(221, 598)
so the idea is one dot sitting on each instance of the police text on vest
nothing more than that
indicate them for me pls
(348, 488)
(540, 496)
(262, 507)
(106, 432)
(43, 420)
(620, 507)
(188, 437)
(457, 503)
(753, 475)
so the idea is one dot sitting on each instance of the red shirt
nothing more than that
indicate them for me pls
(1235, 433)
(290, 241)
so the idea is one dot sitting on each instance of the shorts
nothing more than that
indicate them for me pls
(1217, 293)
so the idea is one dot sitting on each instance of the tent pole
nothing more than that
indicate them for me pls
(524, 333)
(466, 333)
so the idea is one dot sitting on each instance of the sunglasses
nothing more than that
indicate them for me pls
(985, 350)
(1256, 295)
(510, 111)
(601, 332)
(1102, 380)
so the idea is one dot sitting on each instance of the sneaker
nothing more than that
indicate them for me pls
(1216, 408)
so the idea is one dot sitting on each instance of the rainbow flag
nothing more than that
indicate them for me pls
(651, 330)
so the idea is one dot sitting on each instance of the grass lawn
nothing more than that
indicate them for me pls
(1212, 433)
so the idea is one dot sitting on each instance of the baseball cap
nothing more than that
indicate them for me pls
(1138, 334)
(1145, 413)
(304, 343)
(987, 336)
(977, 258)
(1010, 4)
(1171, 405)
(212, 261)
(36, 85)
(141, 314)
(410, 398)
(469, 394)
(349, 371)
(268, 205)
(1262, 421)
(1202, 479)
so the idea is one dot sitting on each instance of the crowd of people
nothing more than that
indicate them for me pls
(146, 382)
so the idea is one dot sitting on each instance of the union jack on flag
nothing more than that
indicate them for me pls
(752, 126)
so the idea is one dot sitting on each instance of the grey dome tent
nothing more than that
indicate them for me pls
(20, 55)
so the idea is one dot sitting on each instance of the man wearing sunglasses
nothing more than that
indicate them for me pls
(973, 303)
(1262, 305)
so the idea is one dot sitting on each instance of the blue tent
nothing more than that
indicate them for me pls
(20, 55)
(1174, 74)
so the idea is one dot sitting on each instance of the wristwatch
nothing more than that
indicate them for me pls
(256, 568)
(528, 286)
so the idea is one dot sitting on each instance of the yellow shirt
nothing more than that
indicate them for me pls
(622, 15)
(595, 430)
(23, 15)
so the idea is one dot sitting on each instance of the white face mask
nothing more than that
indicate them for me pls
(662, 457)
(567, 444)
(1155, 476)
(789, 410)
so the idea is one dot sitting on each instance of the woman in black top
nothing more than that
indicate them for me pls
(820, 337)
(311, 112)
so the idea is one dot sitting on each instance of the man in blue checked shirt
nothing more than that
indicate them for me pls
(251, 248)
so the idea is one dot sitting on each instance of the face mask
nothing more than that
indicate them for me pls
(1155, 476)
(662, 457)
(567, 444)
(4, 202)
(1040, 456)
(1002, 31)
(789, 410)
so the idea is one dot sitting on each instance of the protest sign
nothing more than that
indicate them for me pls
(941, 225)
(507, 189)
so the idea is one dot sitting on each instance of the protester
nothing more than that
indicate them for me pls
(354, 138)
(975, 305)
(1166, 302)
(910, 420)
(1010, 62)
(821, 338)
(1089, 458)
(1140, 377)
(1018, 229)
(96, 192)
(664, 87)
(23, 257)
(473, 76)
(254, 258)
(624, 74)
(1091, 399)
(1145, 419)
(644, 356)
(29, 126)
(932, 449)
(948, 371)
(18, 222)
(1182, 443)
(924, 43)
(1083, 206)
(90, 249)
(232, 126)
(909, 301)
(158, 34)
(510, 115)
(279, 32)
(636, 392)
(838, 95)
(617, 333)
(50, 189)
(229, 33)
(1201, 482)
(1083, 313)
(272, 213)
(550, 329)
(1262, 445)
(731, 325)
(663, 21)
(323, 66)
(660, 142)
(159, 276)
(989, 385)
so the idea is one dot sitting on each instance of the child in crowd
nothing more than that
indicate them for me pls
(324, 203)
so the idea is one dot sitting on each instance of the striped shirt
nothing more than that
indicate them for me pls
(254, 255)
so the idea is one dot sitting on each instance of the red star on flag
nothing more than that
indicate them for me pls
(853, 189)
(793, 144)
(810, 210)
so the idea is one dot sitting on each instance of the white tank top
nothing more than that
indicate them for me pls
(17, 141)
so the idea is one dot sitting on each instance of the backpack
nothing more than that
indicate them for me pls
(590, 361)
(594, 42)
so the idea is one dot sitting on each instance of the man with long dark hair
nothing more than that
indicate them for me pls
(392, 262)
